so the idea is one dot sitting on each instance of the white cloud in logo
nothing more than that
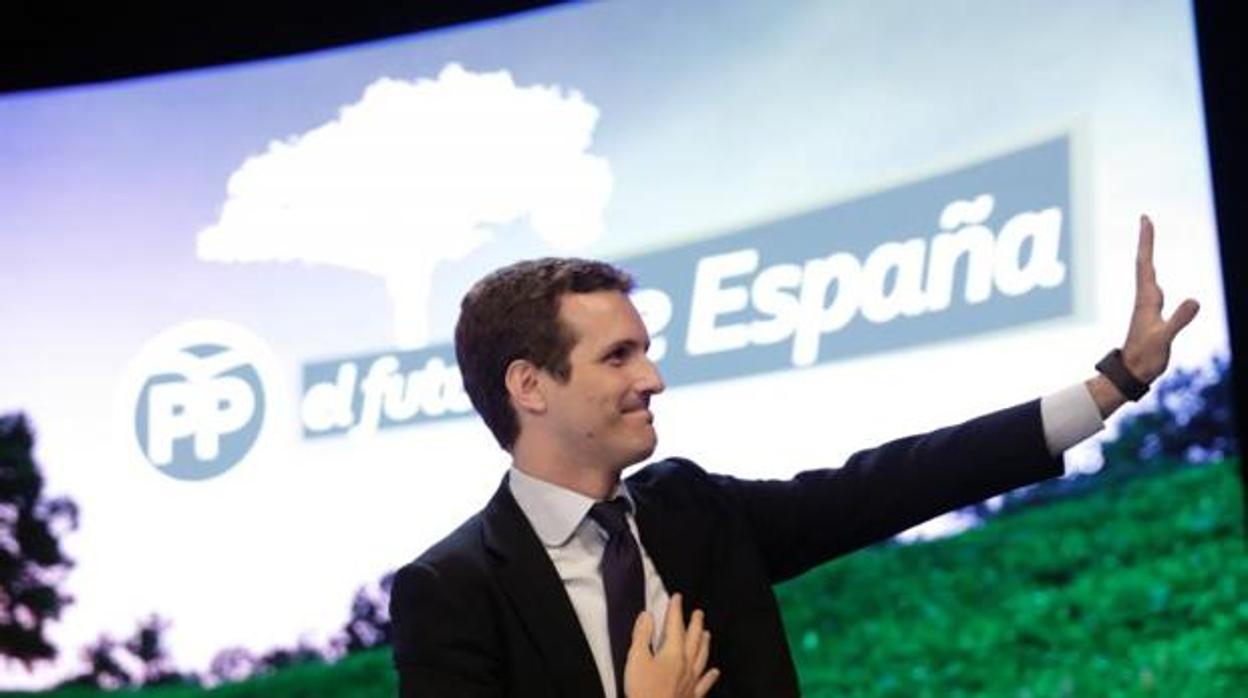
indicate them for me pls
(416, 173)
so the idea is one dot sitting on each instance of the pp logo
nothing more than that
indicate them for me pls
(198, 397)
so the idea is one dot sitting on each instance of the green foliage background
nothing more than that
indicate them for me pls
(1136, 588)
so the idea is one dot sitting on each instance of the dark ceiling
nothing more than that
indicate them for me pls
(60, 43)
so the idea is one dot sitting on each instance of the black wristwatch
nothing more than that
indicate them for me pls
(1113, 368)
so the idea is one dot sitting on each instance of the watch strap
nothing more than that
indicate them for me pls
(1113, 368)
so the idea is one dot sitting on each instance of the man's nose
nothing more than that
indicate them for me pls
(651, 381)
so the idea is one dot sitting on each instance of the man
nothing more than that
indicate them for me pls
(543, 592)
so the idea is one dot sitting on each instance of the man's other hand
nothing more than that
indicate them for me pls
(1146, 351)
(678, 668)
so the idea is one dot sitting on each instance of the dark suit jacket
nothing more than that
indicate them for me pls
(484, 613)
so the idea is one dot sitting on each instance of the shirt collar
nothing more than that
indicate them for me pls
(555, 512)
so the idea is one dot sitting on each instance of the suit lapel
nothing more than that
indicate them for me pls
(677, 541)
(531, 582)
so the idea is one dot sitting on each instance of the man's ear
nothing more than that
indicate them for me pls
(523, 381)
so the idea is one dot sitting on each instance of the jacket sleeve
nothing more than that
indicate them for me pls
(818, 515)
(443, 645)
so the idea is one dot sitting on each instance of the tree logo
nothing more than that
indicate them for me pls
(197, 395)
(415, 174)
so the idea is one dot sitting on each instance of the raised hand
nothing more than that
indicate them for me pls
(1146, 351)
(678, 668)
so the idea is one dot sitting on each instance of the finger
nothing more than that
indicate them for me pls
(1183, 315)
(642, 630)
(1144, 274)
(703, 653)
(704, 684)
(674, 628)
(693, 634)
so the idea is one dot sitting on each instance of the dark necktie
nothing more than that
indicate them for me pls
(623, 580)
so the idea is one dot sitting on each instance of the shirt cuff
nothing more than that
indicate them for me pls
(1068, 417)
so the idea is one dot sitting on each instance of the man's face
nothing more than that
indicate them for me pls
(601, 415)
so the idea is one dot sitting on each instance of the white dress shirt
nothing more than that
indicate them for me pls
(575, 542)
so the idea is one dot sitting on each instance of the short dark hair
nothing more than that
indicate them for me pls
(513, 313)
